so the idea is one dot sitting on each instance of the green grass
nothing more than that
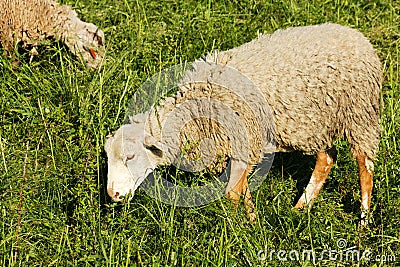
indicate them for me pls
(55, 114)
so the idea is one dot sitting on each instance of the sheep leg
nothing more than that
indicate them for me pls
(238, 186)
(250, 207)
(8, 48)
(366, 171)
(9, 51)
(322, 168)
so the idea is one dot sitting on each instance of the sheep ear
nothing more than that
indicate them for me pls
(154, 146)
(138, 118)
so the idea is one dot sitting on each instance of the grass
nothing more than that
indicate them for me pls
(55, 114)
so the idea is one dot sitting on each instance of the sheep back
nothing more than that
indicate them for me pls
(322, 82)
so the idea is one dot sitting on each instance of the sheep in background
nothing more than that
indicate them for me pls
(33, 21)
(322, 83)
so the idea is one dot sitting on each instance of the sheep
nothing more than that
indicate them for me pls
(321, 82)
(34, 21)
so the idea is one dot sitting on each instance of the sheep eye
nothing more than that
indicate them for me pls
(127, 158)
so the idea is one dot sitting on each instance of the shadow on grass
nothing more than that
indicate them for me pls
(300, 167)
(293, 165)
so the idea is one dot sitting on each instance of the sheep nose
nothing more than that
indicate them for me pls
(113, 195)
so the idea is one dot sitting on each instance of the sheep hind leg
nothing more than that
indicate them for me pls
(322, 168)
(238, 186)
(366, 171)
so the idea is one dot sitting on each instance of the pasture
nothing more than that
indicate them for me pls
(55, 114)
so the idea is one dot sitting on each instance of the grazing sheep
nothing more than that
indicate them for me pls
(322, 83)
(33, 21)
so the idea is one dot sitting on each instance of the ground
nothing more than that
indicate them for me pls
(55, 114)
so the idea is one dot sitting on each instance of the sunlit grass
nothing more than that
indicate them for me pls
(55, 114)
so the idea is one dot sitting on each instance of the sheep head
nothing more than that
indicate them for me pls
(132, 155)
(84, 39)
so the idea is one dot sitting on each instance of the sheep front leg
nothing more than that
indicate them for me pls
(238, 186)
(322, 168)
(366, 171)
(9, 51)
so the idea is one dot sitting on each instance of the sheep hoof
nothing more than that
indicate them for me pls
(252, 217)
(364, 223)
(299, 206)
(364, 218)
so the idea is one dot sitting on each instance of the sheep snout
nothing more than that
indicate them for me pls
(117, 195)
(114, 195)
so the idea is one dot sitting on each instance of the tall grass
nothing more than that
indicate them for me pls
(55, 114)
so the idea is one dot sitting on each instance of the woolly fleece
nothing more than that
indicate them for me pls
(322, 82)
(32, 21)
